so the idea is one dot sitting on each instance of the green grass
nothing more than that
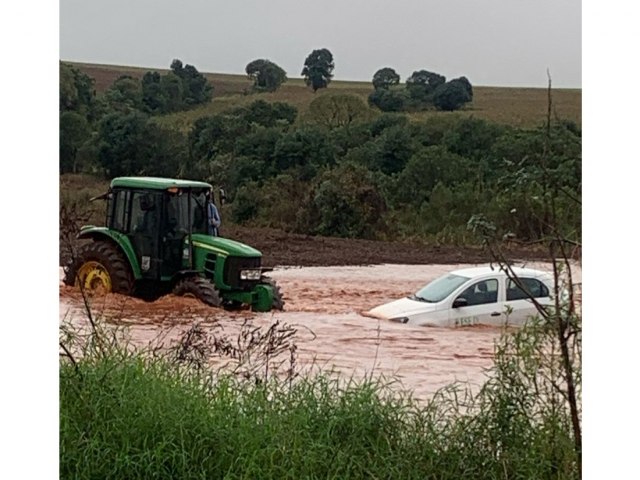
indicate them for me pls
(128, 414)
(519, 107)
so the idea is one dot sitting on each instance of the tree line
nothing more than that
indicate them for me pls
(422, 90)
(341, 169)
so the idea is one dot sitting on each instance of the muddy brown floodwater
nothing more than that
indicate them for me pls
(326, 305)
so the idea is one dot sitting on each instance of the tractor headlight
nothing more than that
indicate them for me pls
(250, 274)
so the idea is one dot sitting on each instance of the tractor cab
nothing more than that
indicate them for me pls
(157, 216)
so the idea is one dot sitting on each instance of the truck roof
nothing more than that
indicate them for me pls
(473, 272)
(156, 183)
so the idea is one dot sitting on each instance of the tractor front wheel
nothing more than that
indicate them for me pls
(100, 267)
(278, 301)
(200, 288)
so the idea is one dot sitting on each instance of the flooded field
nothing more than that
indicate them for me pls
(326, 306)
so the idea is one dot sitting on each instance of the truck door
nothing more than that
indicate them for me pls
(519, 300)
(482, 305)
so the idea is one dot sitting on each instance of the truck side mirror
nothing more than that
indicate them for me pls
(223, 196)
(460, 302)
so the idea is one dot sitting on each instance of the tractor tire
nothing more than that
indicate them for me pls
(200, 288)
(278, 301)
(100, 265)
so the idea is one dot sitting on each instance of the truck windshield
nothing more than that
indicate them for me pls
(440, 288)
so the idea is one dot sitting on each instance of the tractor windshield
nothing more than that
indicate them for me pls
(186, 211)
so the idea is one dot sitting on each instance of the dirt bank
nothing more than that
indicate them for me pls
(282, 248)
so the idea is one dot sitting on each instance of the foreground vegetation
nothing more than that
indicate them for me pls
(150, 413)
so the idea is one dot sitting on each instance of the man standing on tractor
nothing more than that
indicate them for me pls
(213, 217)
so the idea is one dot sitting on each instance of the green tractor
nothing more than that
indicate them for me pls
(155, 241)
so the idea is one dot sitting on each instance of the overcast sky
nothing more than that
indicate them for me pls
(491, 42)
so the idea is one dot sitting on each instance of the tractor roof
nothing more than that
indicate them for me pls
(156, 183)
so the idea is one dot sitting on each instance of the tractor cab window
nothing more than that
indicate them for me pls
(145, 213)
(198, 212)
(117, 206)
(177, 219)
(186, 212)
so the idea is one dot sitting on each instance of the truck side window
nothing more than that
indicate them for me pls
(533, 288)
(482, 292)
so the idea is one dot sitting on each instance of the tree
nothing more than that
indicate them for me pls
(451, 96)
(280, 202)
(388, 100)
(385, 78)
(464, 81)
(426, 168)
(176, 67)
(77, 91)
(260, 145)
(386, 121)
(318, 68)
(215, 135)
(246, 203)
(165, 151)
(172, 92)
(125, 94)
(195, 87)
(338, 110)
(395, 147)
(305, 151)
(422, 84)
(130, 144)
(473, 138)
(121, 138)
(266, 75)
(152, 94)
(74, 131)
(344, 202)
(267, 114)
(68, 90)
(77, 112)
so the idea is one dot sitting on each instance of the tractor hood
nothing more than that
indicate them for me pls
(223, 246)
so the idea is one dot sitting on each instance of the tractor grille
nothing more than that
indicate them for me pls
(232, 267)
(210, 265)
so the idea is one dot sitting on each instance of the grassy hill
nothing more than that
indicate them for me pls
(520, 107)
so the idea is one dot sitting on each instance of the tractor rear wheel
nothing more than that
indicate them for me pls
(200, 288)
(100, 267)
